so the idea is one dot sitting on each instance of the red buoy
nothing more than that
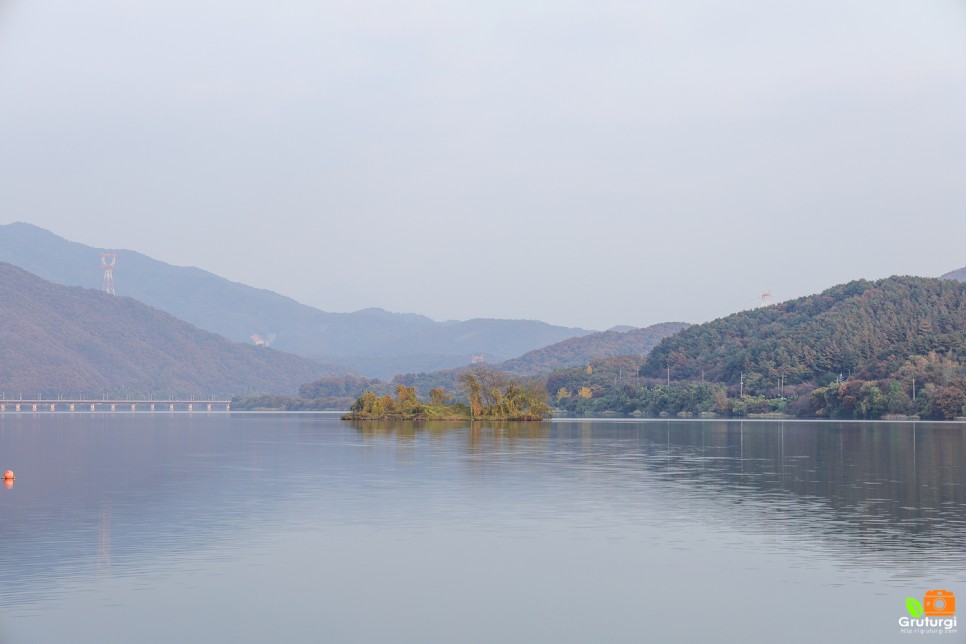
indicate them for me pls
(8, 475)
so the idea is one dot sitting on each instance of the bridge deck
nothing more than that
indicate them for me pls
(88, 405)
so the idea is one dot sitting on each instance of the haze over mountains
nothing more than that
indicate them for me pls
(69, 341)
(372, 341)
(574, 352)
(958, 275)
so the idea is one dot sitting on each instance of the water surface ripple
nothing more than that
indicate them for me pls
(304, 528)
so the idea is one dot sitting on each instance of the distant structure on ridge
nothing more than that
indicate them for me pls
(108, 261)
(263, 342)
(477, 359)
(766, 298)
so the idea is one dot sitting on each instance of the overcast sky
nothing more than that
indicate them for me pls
(584, 163)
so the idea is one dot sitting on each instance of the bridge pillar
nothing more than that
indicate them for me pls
(72, 406)
(133, 407)
(17, 407)
(191, 407)
(53, 407)
(227, 406)
(171, 407)
(113, 407)
(3, 407)
(34, 406)
(92, 406)
(209, 406)
(152, 406)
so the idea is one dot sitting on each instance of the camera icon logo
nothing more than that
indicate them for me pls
(939, 603)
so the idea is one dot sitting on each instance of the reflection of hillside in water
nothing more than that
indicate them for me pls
(894, 490)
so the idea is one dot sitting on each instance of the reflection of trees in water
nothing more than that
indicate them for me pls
(405, 429)
(896, 488)
(881, 487)
(491, 436)
(870, 489)
(479, 432)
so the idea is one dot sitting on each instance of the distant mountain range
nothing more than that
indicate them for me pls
(71, 341)
(372, 341)
(958, 275)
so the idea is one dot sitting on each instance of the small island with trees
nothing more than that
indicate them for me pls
(490, 395)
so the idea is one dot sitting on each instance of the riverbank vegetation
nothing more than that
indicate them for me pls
(929, 387)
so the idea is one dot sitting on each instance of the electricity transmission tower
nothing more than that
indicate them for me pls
(108, 262)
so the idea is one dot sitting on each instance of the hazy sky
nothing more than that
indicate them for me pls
(584, 163)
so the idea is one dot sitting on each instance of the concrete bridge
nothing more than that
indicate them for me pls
(41, 405)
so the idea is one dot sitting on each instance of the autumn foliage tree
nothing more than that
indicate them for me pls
(491, 395)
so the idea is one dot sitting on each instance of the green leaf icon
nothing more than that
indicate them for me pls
(914, 607)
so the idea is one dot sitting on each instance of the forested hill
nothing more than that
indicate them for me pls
(863, 328)
(958, 275)
(71, 341)
(580, 351)
(371, 341)
(569, 353)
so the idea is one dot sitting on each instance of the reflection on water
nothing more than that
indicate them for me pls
(114, 519)
(879, 487)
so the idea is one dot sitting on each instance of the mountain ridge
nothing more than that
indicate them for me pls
(69, 340)
(583, 349)
(374, 341)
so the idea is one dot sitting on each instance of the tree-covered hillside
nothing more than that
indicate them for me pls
(858, 350)
(70, 341)
(860, 328)
(579, 351)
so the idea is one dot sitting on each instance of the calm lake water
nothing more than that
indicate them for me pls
(301, 528)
